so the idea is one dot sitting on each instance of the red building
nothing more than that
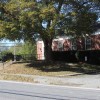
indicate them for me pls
(40, 50)
(64, 44)
(95, 42)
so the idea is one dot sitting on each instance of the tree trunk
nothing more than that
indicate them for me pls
(48, 50)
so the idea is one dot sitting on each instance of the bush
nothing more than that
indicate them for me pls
(28, 57)
(7, 56)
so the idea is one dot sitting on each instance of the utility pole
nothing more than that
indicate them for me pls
(14, 53)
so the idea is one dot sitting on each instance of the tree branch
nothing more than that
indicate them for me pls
(60, 5)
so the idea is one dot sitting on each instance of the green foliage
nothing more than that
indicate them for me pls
(6, 55)
(26, 48)
(82, 18)
(21, 18)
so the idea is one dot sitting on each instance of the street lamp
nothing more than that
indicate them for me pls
(14, 53)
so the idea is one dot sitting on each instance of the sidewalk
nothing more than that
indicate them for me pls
(87, 81)
(81, 80)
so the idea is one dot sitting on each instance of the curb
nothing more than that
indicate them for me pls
(59, 86)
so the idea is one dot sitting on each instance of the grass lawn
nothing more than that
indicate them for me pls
(26, 68)
(16, 78)
(55, 69)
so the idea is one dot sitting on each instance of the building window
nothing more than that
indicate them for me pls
(66, 45)
(74, 45)
(88, 43)
(60, 46)
(55, 46)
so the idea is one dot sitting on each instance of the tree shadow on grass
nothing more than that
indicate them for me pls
(64, 66)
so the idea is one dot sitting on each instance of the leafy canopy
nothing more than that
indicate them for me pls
(21, 19)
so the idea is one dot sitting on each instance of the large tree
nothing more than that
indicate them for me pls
(23, 19)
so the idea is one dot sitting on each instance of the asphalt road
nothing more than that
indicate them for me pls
(22, 91)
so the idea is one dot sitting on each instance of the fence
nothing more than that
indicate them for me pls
(89, 56)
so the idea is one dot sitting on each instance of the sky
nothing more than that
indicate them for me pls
(8, 42)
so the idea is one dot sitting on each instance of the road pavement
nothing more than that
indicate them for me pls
(24, 91)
